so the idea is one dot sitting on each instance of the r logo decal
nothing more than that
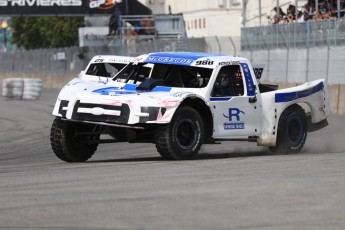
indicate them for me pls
(234, 113)
(234, 119)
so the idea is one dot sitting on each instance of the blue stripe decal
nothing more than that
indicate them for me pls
(105, 91)
(220, 98)
(286, 97)
(161, 89)
(130, 87)
(113, 91)
(249, 80)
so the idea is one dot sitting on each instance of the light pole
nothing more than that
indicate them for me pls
(4, 27)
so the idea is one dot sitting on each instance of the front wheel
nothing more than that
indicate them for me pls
(73, 142)
(292, 131)
(182, 137)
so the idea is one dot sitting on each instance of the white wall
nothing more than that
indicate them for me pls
(182, 6)
(300, 65)
(213, 23)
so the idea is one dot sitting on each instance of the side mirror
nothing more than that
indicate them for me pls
(253, 99)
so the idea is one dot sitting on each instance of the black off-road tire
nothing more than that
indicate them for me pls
(182, 137)
(69, 147)
(292, 131)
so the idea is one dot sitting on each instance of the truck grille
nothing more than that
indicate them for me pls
(121, 118)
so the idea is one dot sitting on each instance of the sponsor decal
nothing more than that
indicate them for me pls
(170, 60)
(138, 59)
(234, 119)
(229, 63)
(119, 61)
(41, 2)
(179, 94)
(165, 117)
(103, 4)
(168, 102)
(98, 60)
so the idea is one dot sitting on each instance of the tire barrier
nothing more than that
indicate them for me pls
(12, 87)
(32, 88)
(23, 88)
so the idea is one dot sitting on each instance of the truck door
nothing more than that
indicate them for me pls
(236, 110)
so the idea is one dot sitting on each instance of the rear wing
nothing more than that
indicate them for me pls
(258, 70)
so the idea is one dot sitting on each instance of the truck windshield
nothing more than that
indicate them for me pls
(165, 75)
(133, 73)
(104, 69)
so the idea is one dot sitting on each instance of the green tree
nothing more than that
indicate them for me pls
(45, 32)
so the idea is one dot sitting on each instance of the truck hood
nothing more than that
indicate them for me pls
(117, 92)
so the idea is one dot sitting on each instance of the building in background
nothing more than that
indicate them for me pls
(203, 18)
(261, 12)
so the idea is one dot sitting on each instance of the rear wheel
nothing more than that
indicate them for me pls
(182, 137)
(292, 131)
(73, 142)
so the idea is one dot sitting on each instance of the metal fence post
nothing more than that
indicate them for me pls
(233, 44)
(218, 43)
(287, 64)
(308, 47)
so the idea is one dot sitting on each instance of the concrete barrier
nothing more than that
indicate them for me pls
(337, 98)
(50, 81)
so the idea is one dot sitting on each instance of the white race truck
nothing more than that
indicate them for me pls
(181, 100)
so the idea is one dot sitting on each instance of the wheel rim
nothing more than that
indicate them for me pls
(295, 130)
(185, 134)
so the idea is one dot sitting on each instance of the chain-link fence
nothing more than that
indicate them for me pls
(73, 60)
(298, 52)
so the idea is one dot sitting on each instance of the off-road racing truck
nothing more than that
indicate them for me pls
(181, 100)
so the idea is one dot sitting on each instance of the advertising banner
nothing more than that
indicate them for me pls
(70, 7)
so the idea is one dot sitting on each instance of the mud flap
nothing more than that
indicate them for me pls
(312, 127)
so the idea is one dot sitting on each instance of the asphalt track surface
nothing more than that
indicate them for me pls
(128, 186)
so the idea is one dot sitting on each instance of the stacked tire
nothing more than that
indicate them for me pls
(32, 88)
(12, 87)
(24, 88)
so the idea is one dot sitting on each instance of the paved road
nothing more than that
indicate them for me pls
(127, 186)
